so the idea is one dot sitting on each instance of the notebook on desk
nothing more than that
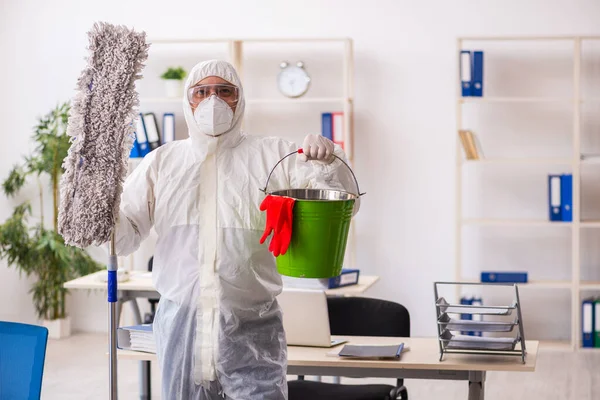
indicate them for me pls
(370, 351)
(376, 352)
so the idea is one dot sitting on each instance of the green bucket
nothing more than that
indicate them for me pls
(319, 232)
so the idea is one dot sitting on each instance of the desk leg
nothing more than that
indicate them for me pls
(476, 385)
(145, 381)
(119, 311)
(145, 373)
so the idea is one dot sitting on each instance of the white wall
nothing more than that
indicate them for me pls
(405, 69)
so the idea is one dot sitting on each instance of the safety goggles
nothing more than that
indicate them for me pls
(227, 93)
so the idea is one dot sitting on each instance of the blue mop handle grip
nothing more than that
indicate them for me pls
(112, 278)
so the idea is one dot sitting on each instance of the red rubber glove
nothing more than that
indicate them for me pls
(273, 209)
(284, 228)
(279, 222)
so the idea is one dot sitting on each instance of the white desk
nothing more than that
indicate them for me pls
(139, 285)
(140, 282)
(421, 361)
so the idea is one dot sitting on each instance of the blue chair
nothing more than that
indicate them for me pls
(22, 355)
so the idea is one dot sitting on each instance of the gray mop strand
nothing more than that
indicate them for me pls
(101, 128)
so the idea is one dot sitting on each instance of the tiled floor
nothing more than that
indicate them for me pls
(77, 368)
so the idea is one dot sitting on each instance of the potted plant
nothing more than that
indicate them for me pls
(173, 78)
(27, 243)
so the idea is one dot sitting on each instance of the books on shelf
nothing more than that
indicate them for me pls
(136, 338)
(471, 145)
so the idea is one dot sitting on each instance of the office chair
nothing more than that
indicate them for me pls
(358, 316)
(22, 355)
(149, 317)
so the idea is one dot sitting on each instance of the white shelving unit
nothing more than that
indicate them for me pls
(236, 57)
(575, 285)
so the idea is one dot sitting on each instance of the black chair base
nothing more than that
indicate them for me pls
(310, 390)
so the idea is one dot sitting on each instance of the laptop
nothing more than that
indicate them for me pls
(306, 318)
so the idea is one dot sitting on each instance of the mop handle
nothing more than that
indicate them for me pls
(113, 265)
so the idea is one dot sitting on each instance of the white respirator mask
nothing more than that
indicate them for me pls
(213, 116)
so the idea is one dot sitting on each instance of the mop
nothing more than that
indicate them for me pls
(100, 126)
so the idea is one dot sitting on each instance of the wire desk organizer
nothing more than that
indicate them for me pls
(449, 321)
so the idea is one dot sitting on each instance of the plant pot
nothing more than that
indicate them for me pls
(58, 328)
(173, 87)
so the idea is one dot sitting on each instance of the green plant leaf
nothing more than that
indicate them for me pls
(33, 250)
(174, 73)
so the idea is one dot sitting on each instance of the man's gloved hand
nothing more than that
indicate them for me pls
(279, 221)
(317, 147)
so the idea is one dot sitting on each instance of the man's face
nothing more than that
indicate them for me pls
(213, 85)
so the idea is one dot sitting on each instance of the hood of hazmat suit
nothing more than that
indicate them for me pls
(218, 326)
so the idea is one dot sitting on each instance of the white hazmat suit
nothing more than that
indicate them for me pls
(218, 326)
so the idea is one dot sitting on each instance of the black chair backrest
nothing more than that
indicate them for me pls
(362, 316)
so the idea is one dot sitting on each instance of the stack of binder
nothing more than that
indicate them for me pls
(590, 322)
(560, 197)
(147, 134)
(471, 73)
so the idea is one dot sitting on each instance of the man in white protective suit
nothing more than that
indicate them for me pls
(218, 326)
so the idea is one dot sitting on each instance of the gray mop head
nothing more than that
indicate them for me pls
(102, 130)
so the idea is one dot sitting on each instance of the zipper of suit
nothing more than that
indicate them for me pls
(215, 321)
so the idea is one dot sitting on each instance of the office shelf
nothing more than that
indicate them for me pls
(573, 162)
(246, 40)
(594, 160)
(515, 222)
(590, 224)
(466, 100)
(532, 284)
(527, 38)
(160, 100)
(282, 100)
(589, 286)
(521, 161)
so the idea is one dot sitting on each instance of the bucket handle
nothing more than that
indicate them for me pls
(300, 151)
